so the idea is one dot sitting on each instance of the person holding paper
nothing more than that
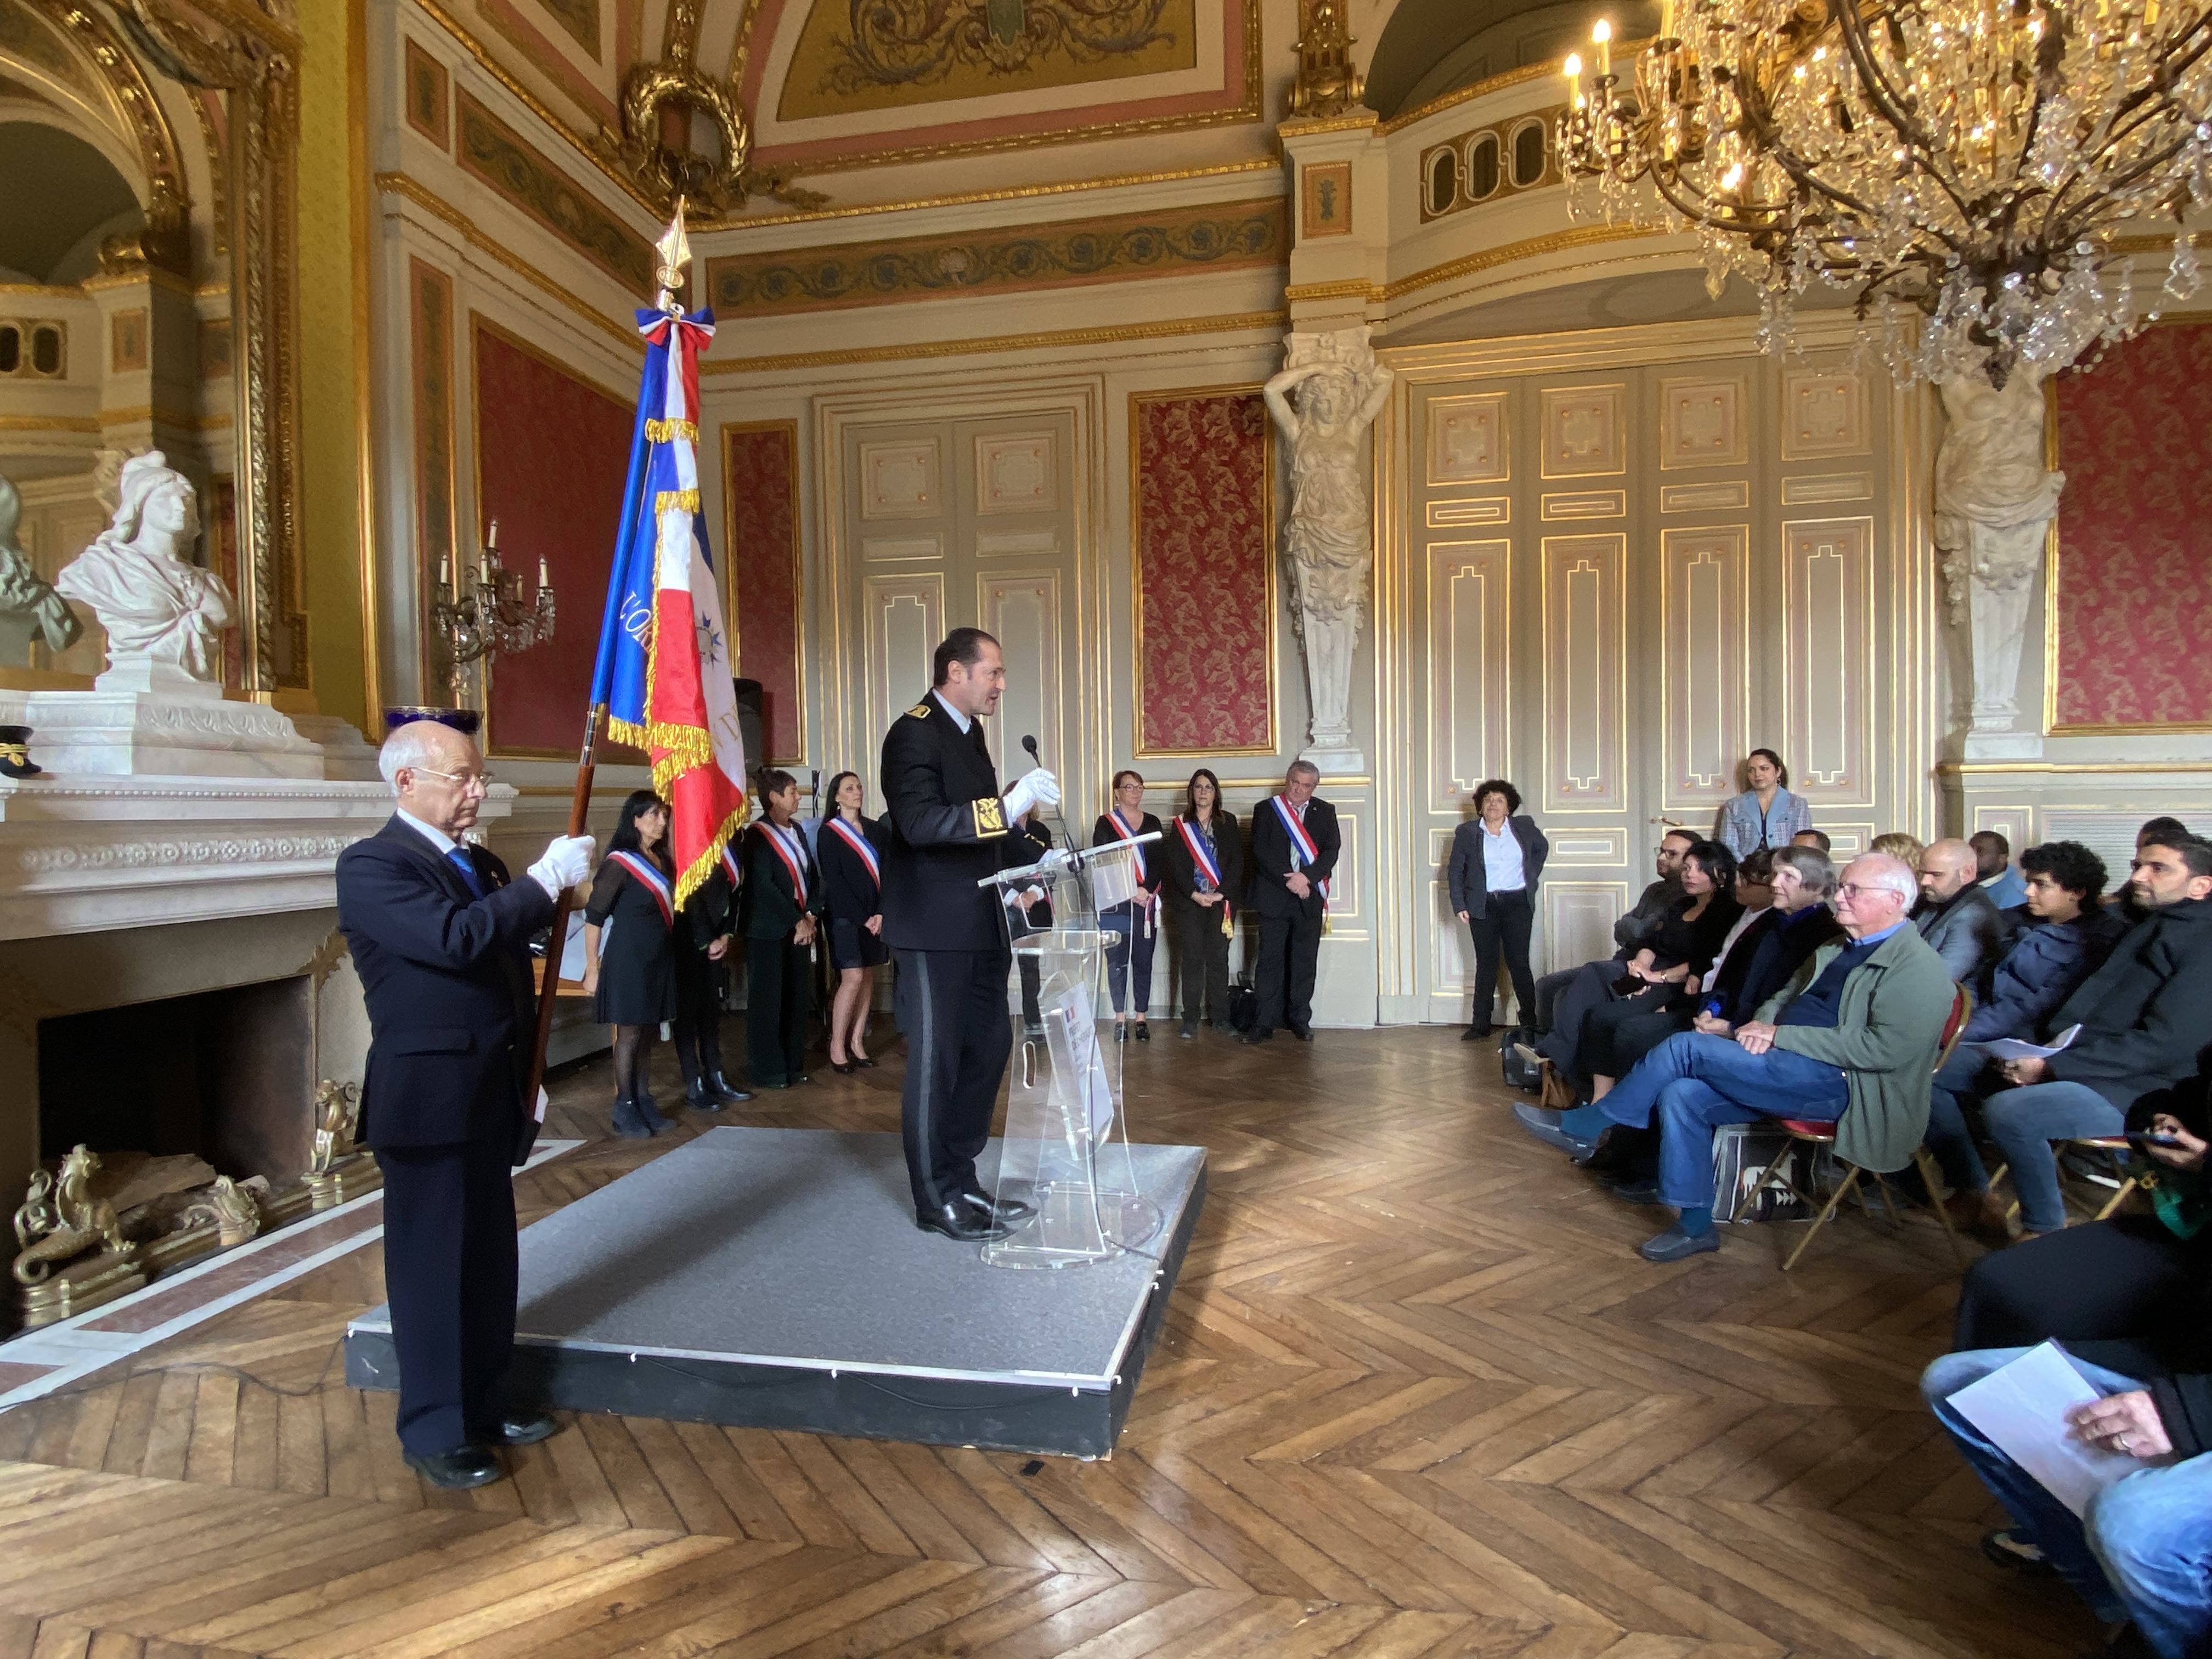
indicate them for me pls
(2139, 1546)
(2069, 938)
(2144, 1017)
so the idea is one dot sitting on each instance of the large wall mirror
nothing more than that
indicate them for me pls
(147, 164)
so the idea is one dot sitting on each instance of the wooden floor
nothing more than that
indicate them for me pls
(1416, 1396)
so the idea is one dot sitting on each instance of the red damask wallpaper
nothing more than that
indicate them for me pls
(1203, 512)
(552, 451)
(760, 481)
(2135, 548)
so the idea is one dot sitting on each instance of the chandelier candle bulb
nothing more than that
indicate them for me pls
(1601, 38)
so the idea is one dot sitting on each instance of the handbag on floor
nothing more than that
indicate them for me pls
(1244, 1006)
(1740, 1152)
(1518, 1072)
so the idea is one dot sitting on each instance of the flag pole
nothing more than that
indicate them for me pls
(675, 254)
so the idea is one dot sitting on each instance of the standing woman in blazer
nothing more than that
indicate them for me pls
(705, 929)
(1135, 921)
(1766, 814)
(1497, 859)
(1204, 860)
(850, 849)
(782, 898)
(632, 980)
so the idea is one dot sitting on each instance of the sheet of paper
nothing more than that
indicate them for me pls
(2022, 1407)
(572, 948)
(2014, 1048)
(1086, 1068)
(1113, 879)
(542, 1103)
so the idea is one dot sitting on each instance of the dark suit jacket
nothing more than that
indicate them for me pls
(1467, 877)
(849, 891)
(1271, 858)
(771, 908)
(1967, 932)
(1182, 870)
(447, 978)
(948, 830)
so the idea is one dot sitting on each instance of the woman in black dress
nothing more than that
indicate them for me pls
(782, 896)
(629, 959)
(702, 936)
(1204, 856)
(1132, 924)
(850, 849)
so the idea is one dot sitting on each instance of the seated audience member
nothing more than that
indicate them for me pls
(1851, 1041)
(1956, 917)
(1661, 973)
(2144, 1016)
(1993, 871)
(2128, 1297)
(2167, 832)
(1816, 839)
(1628, 930)
(1899, 845)
(2069, 936)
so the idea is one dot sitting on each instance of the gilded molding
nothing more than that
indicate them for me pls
(182, 420)
(1017, 193)
(1041, 342)
(401, 184)
(1513, 78)
(1534, 247)
(1370, 292)
(1951, 769)
(1070, 253)
(1364, 121)
(49, 423)
(486, 148)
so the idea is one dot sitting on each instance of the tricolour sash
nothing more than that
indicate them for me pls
(1129, 833)
(793, 861)
(1303, 852)
(730, 869)
(648, 876)
(858, 842)
(1194, 844)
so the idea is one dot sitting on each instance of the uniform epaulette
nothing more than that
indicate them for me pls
(919, 712)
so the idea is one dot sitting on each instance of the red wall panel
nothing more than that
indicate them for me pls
(2134, 608)
(1202, 510)
(760, 484)
(552, 452)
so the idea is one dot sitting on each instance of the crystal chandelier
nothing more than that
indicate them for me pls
(1969, 162)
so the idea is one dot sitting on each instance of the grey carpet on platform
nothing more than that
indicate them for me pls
(799, 1244)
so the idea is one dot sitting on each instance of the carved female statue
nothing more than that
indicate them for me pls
(1328, 542)
(164, 616)
(29, 604)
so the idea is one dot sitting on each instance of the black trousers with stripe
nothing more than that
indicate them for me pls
(951, 1005)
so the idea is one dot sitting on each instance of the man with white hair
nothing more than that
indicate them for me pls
(440, 938)
(1853, 1036)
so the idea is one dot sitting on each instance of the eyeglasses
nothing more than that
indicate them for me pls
(465, 779)
(1852, 890)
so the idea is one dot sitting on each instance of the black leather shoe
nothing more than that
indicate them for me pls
(1187, 1029)
(1255, 1035)
(727, 1092)
(864, 1063)
(1302, 1033)
(458, 1469)
(629, 1120)
(998, 1207)
(698, 1098)
(1144, 1031)
(1475, 1033)
(521, 1429)
(960, 1220)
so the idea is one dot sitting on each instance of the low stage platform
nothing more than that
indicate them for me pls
(774, 1278)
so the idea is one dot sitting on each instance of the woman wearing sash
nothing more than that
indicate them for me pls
(1134, 920)
(629, 956)
(782, 898)
(1204, 856)
(850, 850)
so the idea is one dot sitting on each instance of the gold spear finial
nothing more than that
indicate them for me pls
(674, 249)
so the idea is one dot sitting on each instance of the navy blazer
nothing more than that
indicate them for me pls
(1468, 878)
(451, 993)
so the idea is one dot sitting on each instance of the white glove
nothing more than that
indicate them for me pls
(1037, 788)
(567, 861)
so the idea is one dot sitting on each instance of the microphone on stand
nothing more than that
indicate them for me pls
(1029, 743)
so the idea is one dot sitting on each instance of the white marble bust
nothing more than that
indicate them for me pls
(165, 617)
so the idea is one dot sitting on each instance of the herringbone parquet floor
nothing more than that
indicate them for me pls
(1416, 1396)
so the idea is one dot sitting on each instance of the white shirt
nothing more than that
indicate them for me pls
(959, 719)
(1502, 871)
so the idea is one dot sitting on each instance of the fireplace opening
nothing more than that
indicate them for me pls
(224, 1076)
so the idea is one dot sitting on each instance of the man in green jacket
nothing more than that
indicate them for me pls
(1853, 1037)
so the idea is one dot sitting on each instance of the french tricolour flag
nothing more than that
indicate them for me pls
(663, 666)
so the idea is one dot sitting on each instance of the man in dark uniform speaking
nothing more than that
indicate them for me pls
(949, 826)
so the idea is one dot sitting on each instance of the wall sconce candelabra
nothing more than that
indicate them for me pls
(489, 617)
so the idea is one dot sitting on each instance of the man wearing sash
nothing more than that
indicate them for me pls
(1294, 848)
(949, 827)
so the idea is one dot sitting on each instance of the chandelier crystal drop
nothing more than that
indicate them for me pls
(1972, 162)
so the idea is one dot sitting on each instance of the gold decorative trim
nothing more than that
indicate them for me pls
(49, 423)
(1512, 78)
(152, 276)
(1557, 241)
(1018, 193)
(1308, 127)
(1372, 293)
(399, 184)
(176, 417)
(1041, 341)
(1951, 769)
(1182, 394)
(723, 435)
(494, 154)
(360, 217)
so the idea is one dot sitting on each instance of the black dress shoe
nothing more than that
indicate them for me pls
(1475, 1033)
(842, 1067)
(1187, 1029)
(699, 1097)
(726, 1090)
(458, 1469)
(998, 1205)
(521, 1429)
(960, 1220)
(1256, 1035)
(1144, 1031)
(864, 1063)
(1302, 1033)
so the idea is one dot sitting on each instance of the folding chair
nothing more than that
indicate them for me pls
(1813, 1134)
(2115, 1144)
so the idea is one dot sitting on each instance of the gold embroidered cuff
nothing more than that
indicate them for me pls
(990, 818)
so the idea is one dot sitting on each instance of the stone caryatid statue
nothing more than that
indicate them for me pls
(1993, 502)
(1327, 395)
(29, 607)
(165, 617)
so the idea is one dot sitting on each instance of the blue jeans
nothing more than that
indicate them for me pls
(2025, 1122)
(2144, 1551)
(1948, 1136)
(1131, 937)
(1696, 1083)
